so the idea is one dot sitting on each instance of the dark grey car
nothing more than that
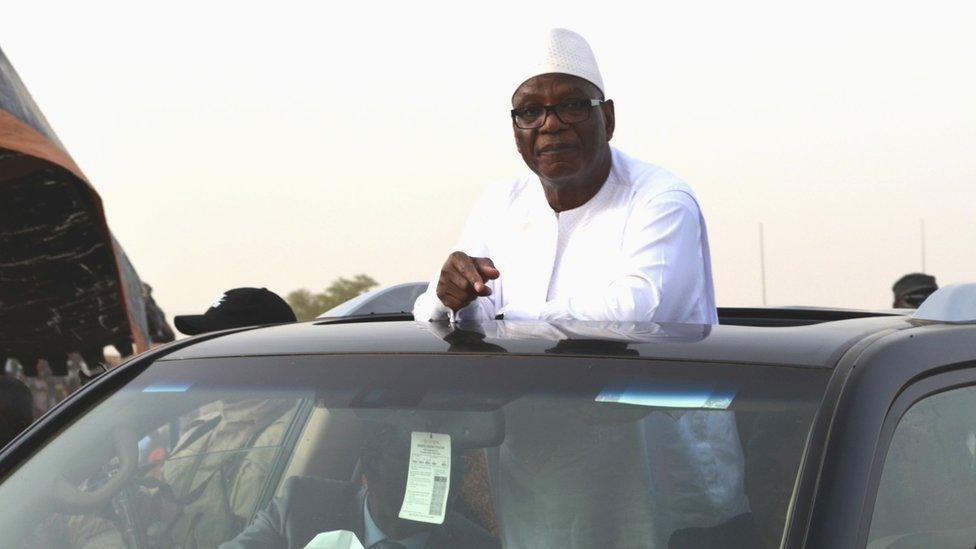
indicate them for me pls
(778, 427)
(398, 298)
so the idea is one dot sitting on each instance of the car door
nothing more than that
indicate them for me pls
(925, 490)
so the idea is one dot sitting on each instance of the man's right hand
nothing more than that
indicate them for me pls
(463, 279)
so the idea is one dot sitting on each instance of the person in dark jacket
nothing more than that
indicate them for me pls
(16, 408)
(311, 506)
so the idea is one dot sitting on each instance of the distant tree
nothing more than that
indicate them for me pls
(308, 305)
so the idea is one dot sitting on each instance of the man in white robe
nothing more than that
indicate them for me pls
(591, 234)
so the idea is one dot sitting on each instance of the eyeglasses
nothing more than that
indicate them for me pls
(568, 112)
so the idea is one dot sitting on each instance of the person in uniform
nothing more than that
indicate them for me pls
(219, 492)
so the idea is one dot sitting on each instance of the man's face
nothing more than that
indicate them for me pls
(558, 151)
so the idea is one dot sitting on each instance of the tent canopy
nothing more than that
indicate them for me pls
(65, 283)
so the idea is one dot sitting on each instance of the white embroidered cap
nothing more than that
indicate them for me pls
(566, 52)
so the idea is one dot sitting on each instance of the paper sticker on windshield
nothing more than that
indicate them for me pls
(428, 478)
(668, 394)
(168, 387)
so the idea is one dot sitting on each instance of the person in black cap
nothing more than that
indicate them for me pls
(159, 330)
(238, 308)
(912, 289)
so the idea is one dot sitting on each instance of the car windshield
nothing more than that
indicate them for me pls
(448, 450)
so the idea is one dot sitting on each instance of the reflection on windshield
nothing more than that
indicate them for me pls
(572, 333)
(447, 451)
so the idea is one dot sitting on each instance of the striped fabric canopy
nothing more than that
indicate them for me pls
(65, 283)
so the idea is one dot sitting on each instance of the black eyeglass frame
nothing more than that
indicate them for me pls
(547, 109)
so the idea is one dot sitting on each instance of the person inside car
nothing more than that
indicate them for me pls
(226, 483)
(371, 510)
(591, 233)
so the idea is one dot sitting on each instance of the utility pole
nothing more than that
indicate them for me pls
(922, 225)
(762, 262)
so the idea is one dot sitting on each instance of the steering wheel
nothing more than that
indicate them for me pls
(76, 501)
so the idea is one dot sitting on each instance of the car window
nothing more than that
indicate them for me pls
(198, 479)
(549, 451)
(927, 494)
(395, 299)
(345, 308)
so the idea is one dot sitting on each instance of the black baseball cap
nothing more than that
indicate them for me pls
(238, 308)
(914, 282)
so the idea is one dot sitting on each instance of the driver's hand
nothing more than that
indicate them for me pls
(463, 279)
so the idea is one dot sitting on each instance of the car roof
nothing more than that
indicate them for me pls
(814, 344)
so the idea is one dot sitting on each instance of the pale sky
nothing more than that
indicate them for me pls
(284, 144)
